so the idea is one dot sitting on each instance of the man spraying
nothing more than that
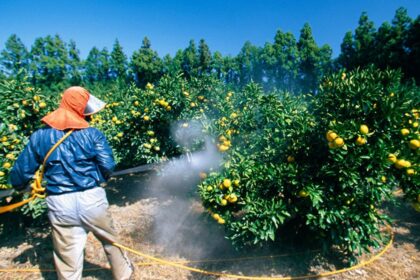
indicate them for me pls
(74, 171)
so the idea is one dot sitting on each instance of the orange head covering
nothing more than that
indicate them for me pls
(70, 114)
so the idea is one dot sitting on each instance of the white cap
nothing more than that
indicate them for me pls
(93, 106)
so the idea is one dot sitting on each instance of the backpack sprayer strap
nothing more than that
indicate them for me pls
(37, 188)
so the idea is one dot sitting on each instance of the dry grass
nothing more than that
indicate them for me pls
(138, 217)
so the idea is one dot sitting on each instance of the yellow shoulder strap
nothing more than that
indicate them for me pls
(37, 186)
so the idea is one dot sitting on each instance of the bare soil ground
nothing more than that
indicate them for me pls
(160, 222)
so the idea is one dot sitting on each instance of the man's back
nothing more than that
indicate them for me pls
(82, 161)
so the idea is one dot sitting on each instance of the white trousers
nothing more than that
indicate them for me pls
(72, 216)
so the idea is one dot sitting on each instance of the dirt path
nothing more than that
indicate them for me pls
(156, 220)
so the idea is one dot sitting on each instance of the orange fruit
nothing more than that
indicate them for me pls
(360, 141)
(303, 193)
(331, 135)
(223, 148)
(414, 144)
(405, 132)
(392, 158)
(364, 129)
(232, 198)
(236, 183)
(399, 164)
(227, 183)
(410, 171)
(339, 142)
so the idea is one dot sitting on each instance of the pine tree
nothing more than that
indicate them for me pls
(204, 58)
(91, 66)
(74, 64)
(217, 65)
(308, 53)
(146, 65)
(286, 60)
(49, 59)
(231, 70)
(347, 57)
(15, 57)
(104, 62)
(398, 48)
(248, 64)
(118, 63)
(268, 62)
(190, 60)
(383, 45)
(413, 45)
(364, 41)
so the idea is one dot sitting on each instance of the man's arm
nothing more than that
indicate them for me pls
(25, 166)
(104, 156)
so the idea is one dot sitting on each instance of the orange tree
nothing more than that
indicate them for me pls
(21, 108)
(321, 166)
(139, 123)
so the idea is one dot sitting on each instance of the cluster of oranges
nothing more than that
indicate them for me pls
(162, 102)
(334, 140)
(230, 197)
(224, 144)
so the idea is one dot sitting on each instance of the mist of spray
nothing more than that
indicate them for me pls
(179, 225)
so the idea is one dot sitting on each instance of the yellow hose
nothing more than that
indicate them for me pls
(206, 272)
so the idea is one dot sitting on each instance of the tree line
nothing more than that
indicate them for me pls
(287, 63)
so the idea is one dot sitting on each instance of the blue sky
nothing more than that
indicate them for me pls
(225, 25)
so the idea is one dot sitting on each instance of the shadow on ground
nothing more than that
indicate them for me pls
(404, 216)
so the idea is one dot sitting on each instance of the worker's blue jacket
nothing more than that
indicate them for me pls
(82, 161)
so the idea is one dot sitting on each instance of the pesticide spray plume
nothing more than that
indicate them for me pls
(179, 217)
